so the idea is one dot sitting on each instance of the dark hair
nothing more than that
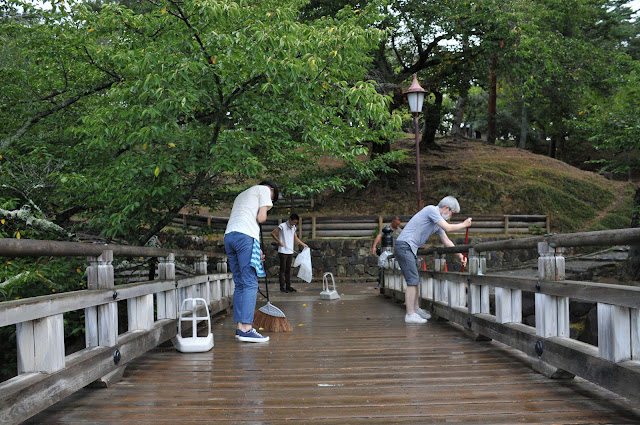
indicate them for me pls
(276, 192)
(294, 216)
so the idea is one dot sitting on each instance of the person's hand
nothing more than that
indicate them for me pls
(304, 245)
(462, 259)
(262, 256)
(281, 243)
(467, 222)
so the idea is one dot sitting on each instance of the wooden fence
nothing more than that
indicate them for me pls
(320, 227)
(465, 298)
(45, 374)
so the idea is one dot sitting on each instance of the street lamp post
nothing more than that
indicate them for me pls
(415, 96)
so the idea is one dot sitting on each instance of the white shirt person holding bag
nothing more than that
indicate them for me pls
(285, 234)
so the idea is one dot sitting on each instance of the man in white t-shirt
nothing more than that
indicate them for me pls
(285, 234)
(241, 243)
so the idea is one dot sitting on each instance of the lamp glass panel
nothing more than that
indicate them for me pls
(415, 101)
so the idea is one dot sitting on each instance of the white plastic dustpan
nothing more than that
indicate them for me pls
(189, 313)
(328, 294)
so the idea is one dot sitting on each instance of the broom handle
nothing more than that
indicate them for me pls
(266, 282)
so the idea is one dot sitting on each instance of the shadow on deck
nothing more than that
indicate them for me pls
(348, 361)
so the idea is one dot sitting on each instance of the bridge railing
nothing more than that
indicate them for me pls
(465, 299)
(45, 374)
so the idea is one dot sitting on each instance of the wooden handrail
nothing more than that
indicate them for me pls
(629, 236)
(39, 248)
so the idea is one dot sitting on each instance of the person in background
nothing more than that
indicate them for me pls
(285, 234)
(396, 230)
(395, 226)
(242, 246)
(424, 223)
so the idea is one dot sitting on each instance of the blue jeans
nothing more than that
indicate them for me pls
(407, 262)
(239, 248)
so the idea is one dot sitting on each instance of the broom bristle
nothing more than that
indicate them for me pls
(271, 323)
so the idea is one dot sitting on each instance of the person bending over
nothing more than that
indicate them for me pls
(242, 246)
(424, 223)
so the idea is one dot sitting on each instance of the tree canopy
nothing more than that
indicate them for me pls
(141, 113)
(125, 112)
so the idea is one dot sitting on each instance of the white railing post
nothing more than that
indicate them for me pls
(201, 269)
(167, 302)
(101, 322)
(40, 345)
(140, 312)
(552, 313)
(457, 294)
(635, 334)
(485, 290)
(614, 332)
(426, 285)
(437, 286)
(474, 301)
(444, 283)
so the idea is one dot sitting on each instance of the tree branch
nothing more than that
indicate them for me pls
(34, 119)
(24, 215)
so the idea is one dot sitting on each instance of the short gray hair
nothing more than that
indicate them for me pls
(451, 202)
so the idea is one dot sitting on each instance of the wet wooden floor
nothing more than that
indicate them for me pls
(349, 361)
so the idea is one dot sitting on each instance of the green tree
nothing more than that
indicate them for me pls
(612, 124)
(175, 104)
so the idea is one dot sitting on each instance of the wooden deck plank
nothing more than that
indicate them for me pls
(347, 361)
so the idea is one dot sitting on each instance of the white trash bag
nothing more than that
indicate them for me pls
(382, 260)
(304, 261)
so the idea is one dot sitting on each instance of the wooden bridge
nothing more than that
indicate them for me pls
(351, 360)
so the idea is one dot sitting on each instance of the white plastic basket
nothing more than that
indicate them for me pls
(189, 313)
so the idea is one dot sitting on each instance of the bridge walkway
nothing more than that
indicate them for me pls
(347, 361)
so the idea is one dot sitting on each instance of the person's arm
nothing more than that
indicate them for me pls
(447, 242)
(262, 214)
(448, 227)
(275, 234)
(297, 239)
(376, 241)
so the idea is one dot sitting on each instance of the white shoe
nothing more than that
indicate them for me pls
(420, 312)
(414, 318)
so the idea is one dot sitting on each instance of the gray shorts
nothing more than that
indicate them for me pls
(407, 263)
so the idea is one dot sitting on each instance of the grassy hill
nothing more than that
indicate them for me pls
(491, 179)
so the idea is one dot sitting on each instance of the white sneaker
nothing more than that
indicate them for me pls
(420, 312)
(414, 318)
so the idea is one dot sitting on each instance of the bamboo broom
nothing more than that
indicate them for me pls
(270, 317)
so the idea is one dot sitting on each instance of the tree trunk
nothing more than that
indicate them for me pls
(553, 146)
(633, 262)
(166, 218)
(432, 118)
(493, 95)
(524, 124)
(456, 131)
